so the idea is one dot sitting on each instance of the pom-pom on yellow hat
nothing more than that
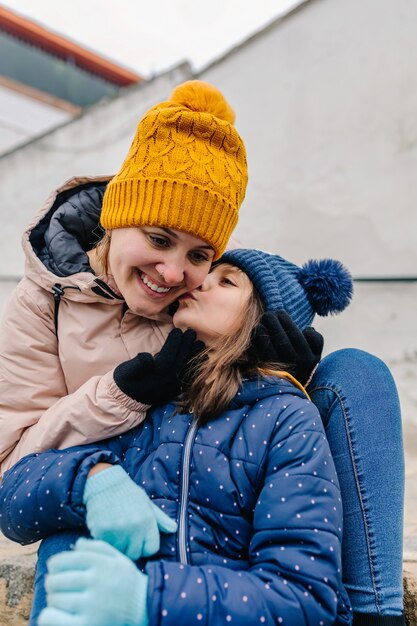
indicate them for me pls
(186, 169)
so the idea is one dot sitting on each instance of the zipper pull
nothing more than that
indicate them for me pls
(57, 291)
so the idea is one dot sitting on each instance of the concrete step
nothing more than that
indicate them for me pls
(410, 592)
(16, 583)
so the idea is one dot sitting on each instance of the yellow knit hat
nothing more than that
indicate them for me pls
(186, 169)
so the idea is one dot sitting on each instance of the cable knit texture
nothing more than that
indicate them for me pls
(186, 169)
(321, 286)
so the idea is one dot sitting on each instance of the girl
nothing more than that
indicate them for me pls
(240, 462)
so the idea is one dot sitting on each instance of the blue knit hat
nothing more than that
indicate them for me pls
(321, 287)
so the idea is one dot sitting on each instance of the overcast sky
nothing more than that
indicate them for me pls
(150, 36)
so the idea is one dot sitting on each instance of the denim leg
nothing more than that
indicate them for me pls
(358, 402)
(52, 545)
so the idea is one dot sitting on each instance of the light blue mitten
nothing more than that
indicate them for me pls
(121, 513)
(94, 585)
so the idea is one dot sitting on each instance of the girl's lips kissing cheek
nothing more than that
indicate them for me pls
(151, 287)
(186, 296)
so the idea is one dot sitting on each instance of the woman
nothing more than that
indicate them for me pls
(240, 462)
(81, 309)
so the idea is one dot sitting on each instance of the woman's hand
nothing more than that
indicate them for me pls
(121, 513)
(157, 380)
(278, 339)
(82, 589)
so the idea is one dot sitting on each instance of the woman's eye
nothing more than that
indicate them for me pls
(161, 242)
(199, 257)
(227, 281)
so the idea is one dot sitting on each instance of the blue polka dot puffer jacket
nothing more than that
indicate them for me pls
(255, 495)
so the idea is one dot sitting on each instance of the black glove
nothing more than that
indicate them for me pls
(157, 380)
(278, 339)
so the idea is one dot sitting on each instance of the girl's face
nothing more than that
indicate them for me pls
(215, 309)
(153, 266)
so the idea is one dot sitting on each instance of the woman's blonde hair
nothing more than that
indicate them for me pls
(102, 248)
(218, 372)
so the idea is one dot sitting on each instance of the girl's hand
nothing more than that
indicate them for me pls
(121, 513)
(278, 339)
(157, 380)
(82, 590)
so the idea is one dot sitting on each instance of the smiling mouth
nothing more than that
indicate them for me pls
(155, 288)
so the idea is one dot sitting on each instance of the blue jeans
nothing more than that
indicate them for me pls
(358, 402)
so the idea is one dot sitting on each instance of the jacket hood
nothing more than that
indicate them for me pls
(68, 230)
(58, 238)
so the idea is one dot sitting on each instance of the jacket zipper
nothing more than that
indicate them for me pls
(185, 479)
(58, 291)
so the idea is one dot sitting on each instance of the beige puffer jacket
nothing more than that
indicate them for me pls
(57, 392)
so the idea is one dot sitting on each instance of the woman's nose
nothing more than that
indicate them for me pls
(171, 273)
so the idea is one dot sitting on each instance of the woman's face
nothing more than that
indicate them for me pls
(152, 266)
(215, 309)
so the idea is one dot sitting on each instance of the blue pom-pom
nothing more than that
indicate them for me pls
(328, 284)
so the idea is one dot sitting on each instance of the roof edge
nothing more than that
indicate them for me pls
(57, 45)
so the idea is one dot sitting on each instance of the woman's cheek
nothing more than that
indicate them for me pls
(197, 277)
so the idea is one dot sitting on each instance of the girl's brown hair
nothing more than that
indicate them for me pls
(218, 372)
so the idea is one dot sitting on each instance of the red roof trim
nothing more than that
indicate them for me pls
(59, 46)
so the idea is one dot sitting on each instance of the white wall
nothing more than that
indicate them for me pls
(326, 101)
